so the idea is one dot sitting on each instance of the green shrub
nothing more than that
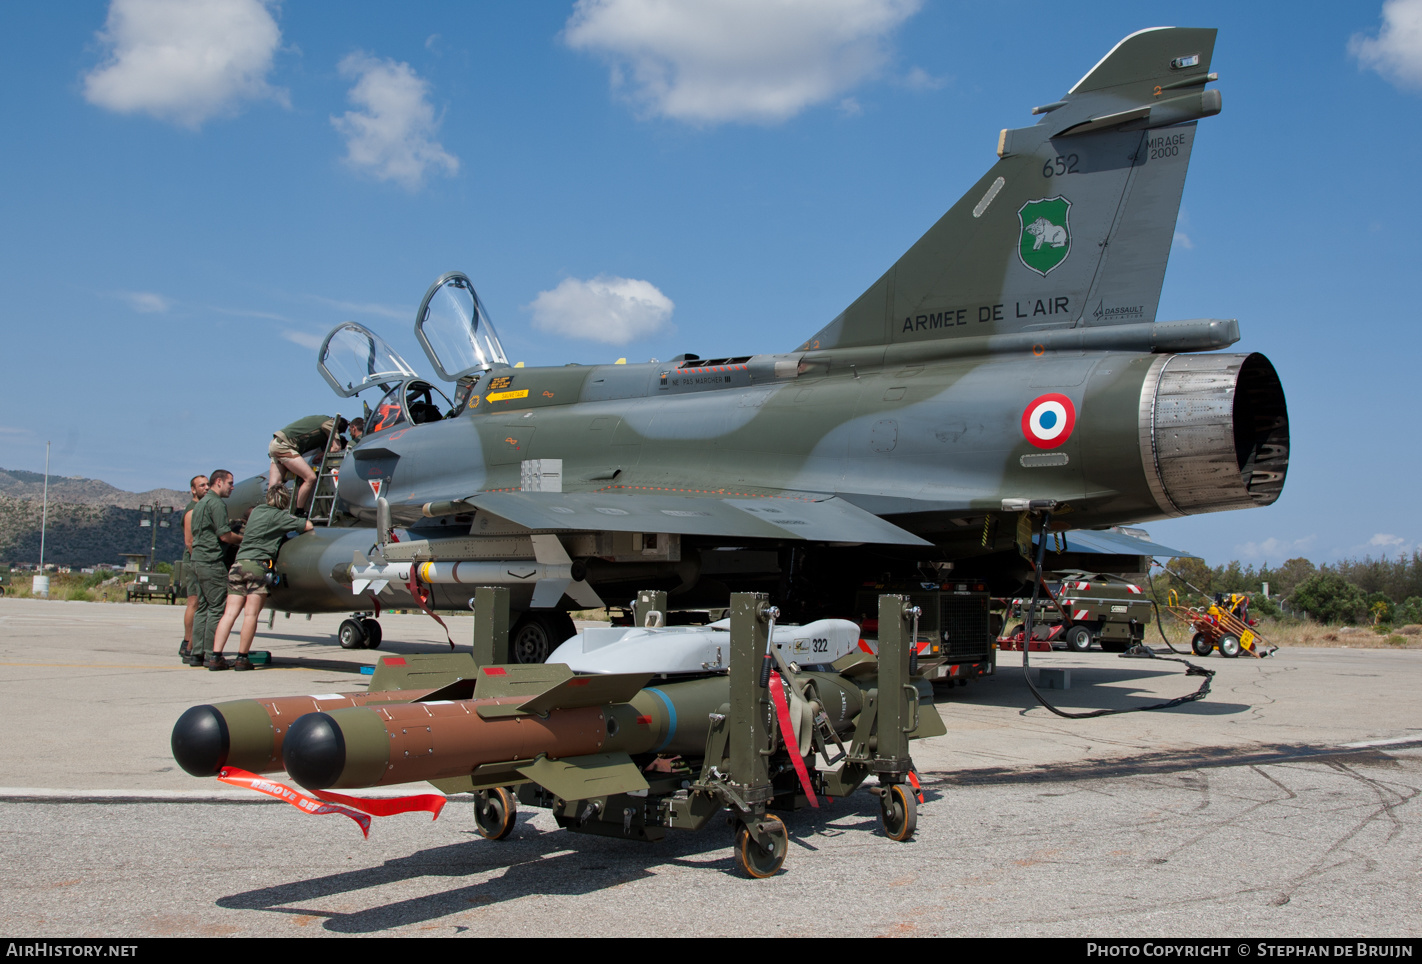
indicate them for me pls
(1329, 598)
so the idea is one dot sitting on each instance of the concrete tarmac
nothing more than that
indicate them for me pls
(1284, 804)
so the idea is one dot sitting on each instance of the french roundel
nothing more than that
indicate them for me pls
(1048, 420)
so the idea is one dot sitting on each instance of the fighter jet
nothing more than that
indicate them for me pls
(1012, 354)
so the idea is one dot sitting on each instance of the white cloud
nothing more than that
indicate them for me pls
(245, 313)
(1183, 239)
(920, 79)
(392, 136)
(761, 61)
(1275, 549)
(303, 339)
(145, 301)
(611, 310)
(367, 308)
(185, 61)
(1396, 52)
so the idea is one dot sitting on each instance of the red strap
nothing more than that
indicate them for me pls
(431, 803)
(918, 787)
(787, 736)
(357, 808)
(422, 596)
(299, 800)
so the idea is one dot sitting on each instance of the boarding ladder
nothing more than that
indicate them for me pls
(323, 500)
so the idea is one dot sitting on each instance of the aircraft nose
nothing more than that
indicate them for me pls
(201, 741)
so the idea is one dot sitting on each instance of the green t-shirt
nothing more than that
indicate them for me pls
(265, 526)
(209, 522)
(311, 432)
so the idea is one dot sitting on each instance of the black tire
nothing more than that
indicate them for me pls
(535, 636)
(495, 813)
(351, 635)
(1201, 645)
(373, 633)
(1229, 646)
(1017, 630)
(898, 812)
(1078, 638)
(757, 862)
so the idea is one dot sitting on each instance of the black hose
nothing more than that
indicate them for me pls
(1192, 669)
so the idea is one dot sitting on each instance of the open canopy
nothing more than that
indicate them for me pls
(455, 331)
(353, 358)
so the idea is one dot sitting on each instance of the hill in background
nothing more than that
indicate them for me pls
(90, 521)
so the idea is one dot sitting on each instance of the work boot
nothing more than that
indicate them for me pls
(184, 649)
(241, 662)
(194, 659)
(215, 661)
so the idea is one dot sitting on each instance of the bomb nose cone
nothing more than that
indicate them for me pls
(314, 752)
(201, 741)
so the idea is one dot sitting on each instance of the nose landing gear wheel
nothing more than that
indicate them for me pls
(536, 635)
(373, 633)
(754, 860)
(351, 634)
(495, 813)
(898, 810)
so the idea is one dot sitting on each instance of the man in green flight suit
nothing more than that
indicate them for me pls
(210, 530)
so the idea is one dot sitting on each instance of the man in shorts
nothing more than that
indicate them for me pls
(247, 588)
(197, 488)
(303, 435)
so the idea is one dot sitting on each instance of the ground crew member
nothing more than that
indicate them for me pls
(303, 435)
(211, 531)
(197, 487)
(247, 588)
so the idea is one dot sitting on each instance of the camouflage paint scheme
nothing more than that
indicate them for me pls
(1011, 353)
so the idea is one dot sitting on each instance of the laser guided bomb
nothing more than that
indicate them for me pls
(609, 753)
(1012, 354)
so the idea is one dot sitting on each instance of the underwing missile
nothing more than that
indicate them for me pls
(249, 733)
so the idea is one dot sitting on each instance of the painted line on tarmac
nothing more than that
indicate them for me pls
(264, 669)
(1395, 741)
(224, 795)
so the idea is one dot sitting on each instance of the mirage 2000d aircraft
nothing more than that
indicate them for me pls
(1011, 354)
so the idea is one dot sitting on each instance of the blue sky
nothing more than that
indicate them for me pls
(195, 193)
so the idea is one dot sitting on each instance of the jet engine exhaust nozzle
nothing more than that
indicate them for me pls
(1214, 433)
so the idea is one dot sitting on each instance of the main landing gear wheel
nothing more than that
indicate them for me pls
(753, 859)
(495, 813)
(373, 633)
(1078, 639)
(535, 635)
(1229, 646)
(898, 809)
(351, 634)
(1201, 645)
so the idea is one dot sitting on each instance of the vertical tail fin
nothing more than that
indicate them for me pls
(1072, 226)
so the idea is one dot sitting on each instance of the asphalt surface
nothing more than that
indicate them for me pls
(1283, 805)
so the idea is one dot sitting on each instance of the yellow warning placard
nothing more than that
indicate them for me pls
(505, 396)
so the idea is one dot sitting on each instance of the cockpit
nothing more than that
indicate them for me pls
(458, 338)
